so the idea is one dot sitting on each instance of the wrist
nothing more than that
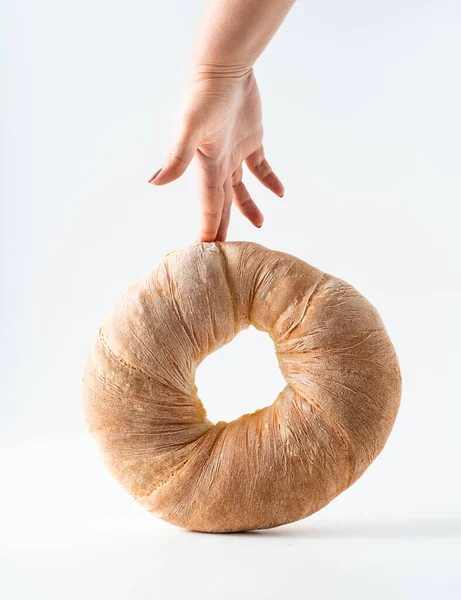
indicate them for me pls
(210, 71)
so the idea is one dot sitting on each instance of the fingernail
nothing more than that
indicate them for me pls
(154, 176)
(281, 195)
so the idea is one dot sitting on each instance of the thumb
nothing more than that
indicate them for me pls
(179, 158)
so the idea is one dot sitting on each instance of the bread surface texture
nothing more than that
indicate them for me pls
(277, 465)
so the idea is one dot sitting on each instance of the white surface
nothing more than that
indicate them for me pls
(361, 103)
(80, 536)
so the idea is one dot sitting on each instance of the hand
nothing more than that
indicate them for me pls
(221, 125)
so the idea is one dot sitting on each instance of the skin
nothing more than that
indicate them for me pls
(221, 119)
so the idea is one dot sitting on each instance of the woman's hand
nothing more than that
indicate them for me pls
(221, 125)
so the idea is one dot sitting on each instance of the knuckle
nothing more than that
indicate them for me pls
(176, 156)
(212, 215)
(263, 168)
(213, 185)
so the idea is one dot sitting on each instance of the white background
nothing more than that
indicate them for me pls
(361, 106)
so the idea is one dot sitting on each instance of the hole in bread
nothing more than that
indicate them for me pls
(240, 377)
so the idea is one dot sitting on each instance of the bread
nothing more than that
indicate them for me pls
(277, 465)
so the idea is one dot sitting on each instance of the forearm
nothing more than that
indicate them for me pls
(233, 33)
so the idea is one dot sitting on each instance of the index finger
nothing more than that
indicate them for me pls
(211, 202)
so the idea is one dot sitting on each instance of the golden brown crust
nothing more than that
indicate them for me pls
(272, 467)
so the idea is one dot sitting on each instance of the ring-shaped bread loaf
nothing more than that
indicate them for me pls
(277, 465)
